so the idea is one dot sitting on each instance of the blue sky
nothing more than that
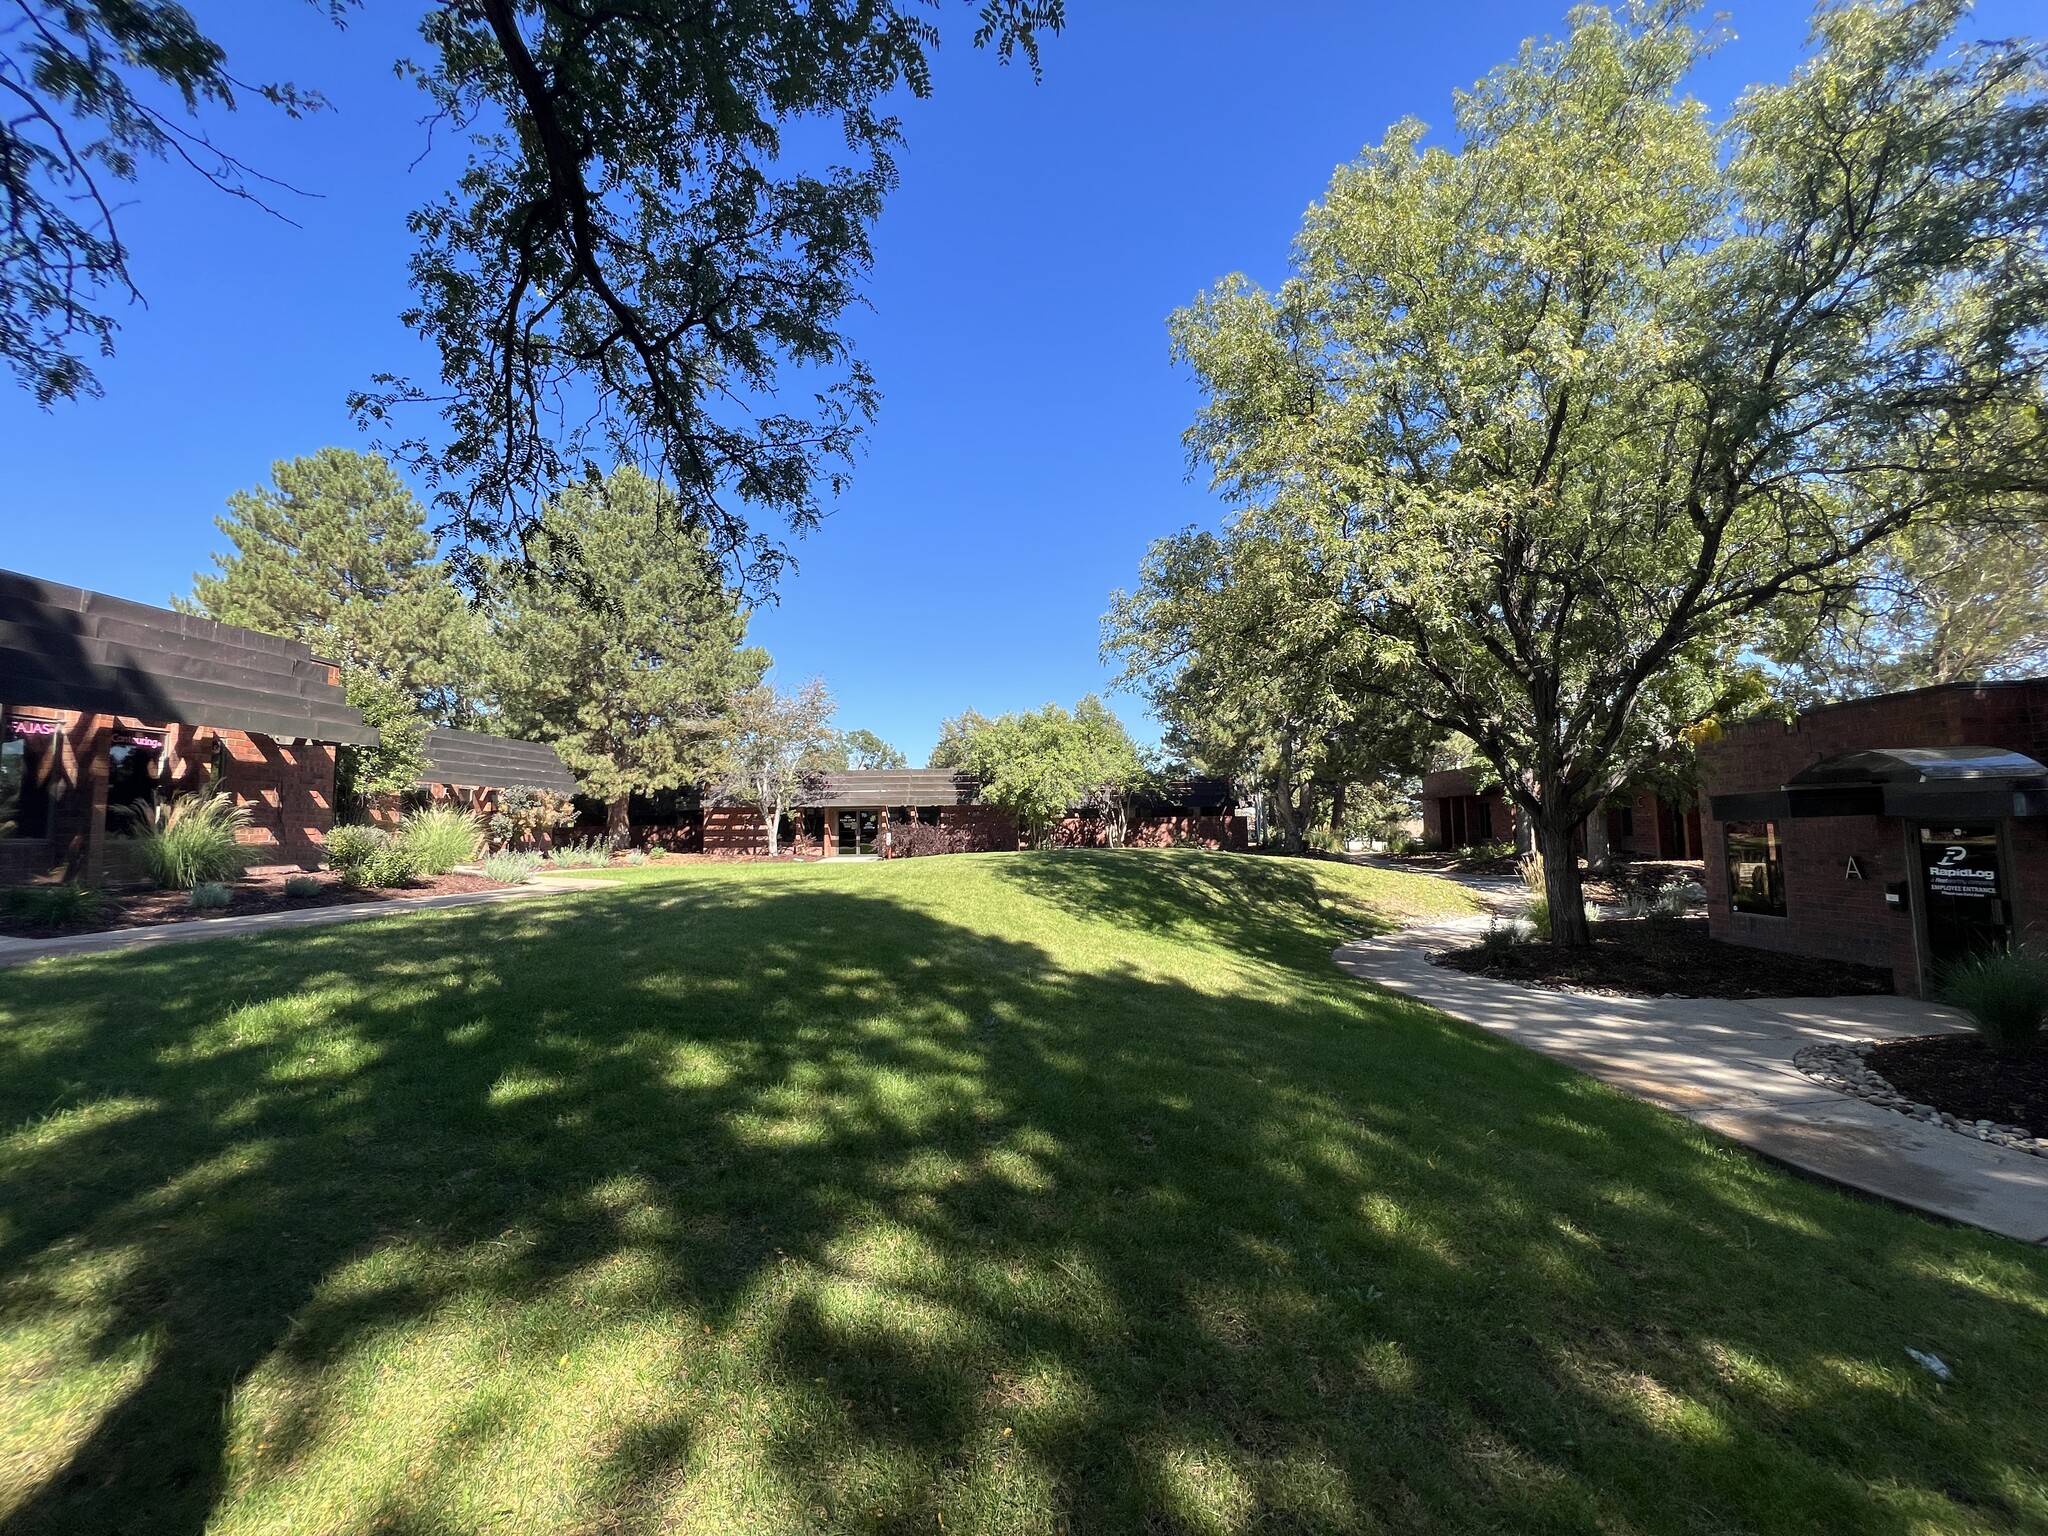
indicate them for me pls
(1029, 443)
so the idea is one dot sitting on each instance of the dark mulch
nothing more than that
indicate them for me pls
(1964, 1076)
(258, 891)
(1647, 957)
(1640, 877)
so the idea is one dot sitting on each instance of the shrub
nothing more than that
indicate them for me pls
(635, 856)
(350, 850)
(365, 856)
(917, 839)
(594, 854)
(525, 813)
(210, 894)
(393, 864)
(52, 906)
(2005, 993)
(303, 885)
(1673, 899)
(191, 840)
(511, 868)
(441, 837)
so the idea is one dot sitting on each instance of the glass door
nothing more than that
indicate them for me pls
(858, 832)
(1964, 888)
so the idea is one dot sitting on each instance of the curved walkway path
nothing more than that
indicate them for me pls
(21, 951)
(1728, 1066)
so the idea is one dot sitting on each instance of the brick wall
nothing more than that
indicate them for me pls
(1227, 832)
(287, 788)
(1827, 913)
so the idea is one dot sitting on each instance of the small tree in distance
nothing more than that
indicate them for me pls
(1039, 765)
(772, 744)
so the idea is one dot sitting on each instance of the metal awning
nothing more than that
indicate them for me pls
(66, 648)
(1953, 783)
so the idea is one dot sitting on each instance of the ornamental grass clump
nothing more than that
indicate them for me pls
(441, 837)
(2005, 993)
(595, 854)
(192, 840)
(52, 906)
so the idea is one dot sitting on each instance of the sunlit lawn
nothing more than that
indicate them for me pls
(1014, 1193)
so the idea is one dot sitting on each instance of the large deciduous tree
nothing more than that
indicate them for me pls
(627, 269)
(336, 553)
(771, 751)
(1948, 600)
(1573, 399)
(621, 645)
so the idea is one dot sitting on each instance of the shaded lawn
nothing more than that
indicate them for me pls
(1007, 1193)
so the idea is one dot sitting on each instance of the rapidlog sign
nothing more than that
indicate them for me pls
(1956, 869)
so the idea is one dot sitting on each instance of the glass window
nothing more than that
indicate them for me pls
(26, 748)
(1756, 868)
(132, 763)
(928, 814)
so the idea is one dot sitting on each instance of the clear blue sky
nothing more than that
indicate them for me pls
(1029, 442)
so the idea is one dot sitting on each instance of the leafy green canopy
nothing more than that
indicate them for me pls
(1571, 403)
(1246, 653)
(625, 269)
(1042, 765)
(1941, 602)
(621, 645)
(337, 554)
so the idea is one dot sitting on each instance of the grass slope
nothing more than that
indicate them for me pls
(1006, 1194)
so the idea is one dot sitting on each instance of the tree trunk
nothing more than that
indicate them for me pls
(1283, 801)
(1337, 811)
(1596, 838)
(618, 820)
(771, 818)
(1561, 886)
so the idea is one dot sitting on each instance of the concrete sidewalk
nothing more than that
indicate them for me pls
(22, 951)
(1728, 1066)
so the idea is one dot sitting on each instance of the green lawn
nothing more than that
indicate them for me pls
(1011, 1193)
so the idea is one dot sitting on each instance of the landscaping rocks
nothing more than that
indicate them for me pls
(1842, 1066)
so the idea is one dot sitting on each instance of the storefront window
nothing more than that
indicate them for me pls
(1756, 868)
(133, 762)
(25, 750)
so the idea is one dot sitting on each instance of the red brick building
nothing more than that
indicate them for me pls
(106, 705)
(853, 813)
(1464, 807)
(1897, 831)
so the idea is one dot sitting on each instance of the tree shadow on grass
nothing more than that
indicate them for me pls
(698, 1206)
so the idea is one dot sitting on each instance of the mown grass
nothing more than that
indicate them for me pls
(1007, 1194)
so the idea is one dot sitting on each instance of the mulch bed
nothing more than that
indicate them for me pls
(1647, 957)
(258, 891)
(1965, 1077)
(1640, 877)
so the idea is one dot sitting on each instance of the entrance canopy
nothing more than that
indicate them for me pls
(1940, 782)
